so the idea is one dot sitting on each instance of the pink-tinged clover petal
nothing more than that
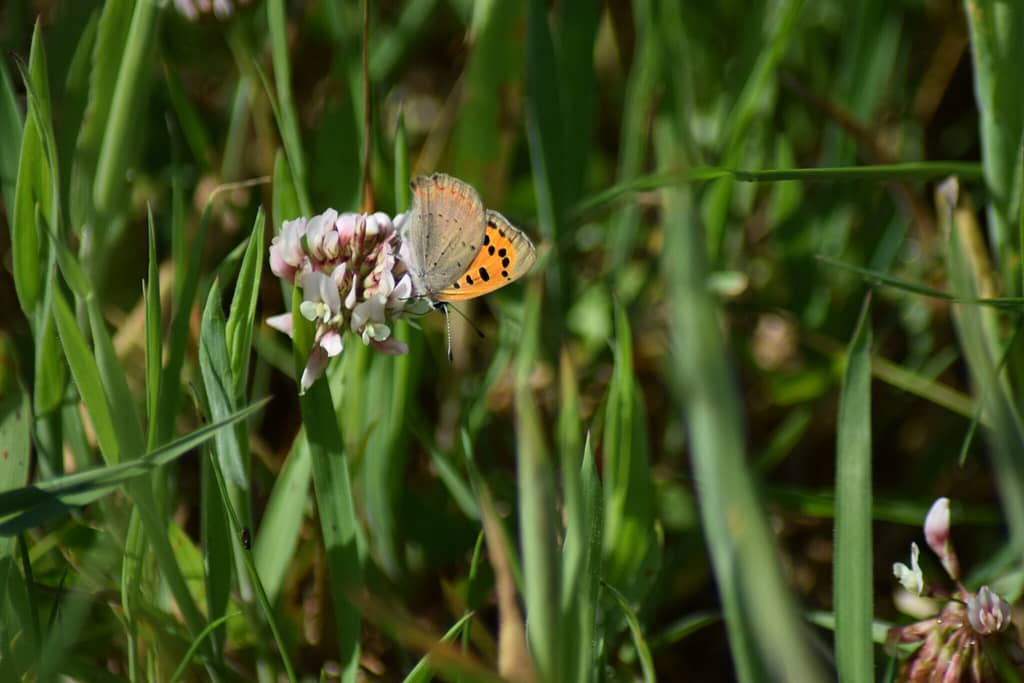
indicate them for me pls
(346, 226)
(222, 9)
(290, 240)
(936, 533)
(338, 274)
(281, 323)
(372, 226)
(384, 223)
(331, 342)
(987, 612)
(315, 365)
(186, 8)
(317, 231)
(391, 347)
(280, 267)
(330, 246)
(350, 299)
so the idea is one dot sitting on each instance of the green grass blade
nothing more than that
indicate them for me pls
(112, 32)
(15, 428)
(635, 630)
(694, 175)
(219, 385)
(216, 543)
(536, 511)
(335, 505)
(852, 583)
(641, 90)
(31, 505)
(286, 200)
(629, 493)
(186, 286)
(977, 335)
(154, 338)
(86, 374)
(422, 672)
(338, 523)
(242, 316)
(189, 120)
(236, 529)
(11, 127)
(278, 535)
(581, 576)
(33, 189)
(766, 635)
(576, 30)
(285, 105)
(401, 166)
(997, 55)
(179, 673)
(125, 106)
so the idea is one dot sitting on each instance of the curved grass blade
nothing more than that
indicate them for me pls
(423, 672)
(29, 506)
(643, 652)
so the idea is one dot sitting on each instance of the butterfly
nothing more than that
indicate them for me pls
(457, 249)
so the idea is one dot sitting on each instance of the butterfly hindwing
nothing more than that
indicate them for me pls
(505, 256)
(446, 228)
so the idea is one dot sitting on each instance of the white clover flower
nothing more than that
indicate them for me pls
(352, 279)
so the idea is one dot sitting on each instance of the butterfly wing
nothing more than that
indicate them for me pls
(506, 255)
(446, 229)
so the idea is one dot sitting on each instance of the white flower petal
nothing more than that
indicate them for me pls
(281, 323)
(331, 342)
(315, 365)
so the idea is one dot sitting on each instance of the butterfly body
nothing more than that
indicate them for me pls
(457, 249)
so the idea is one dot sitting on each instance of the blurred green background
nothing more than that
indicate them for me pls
(652, 423)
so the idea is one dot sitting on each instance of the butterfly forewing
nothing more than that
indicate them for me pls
(446, 231)
(506, 255)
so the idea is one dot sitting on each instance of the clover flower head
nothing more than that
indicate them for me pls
(191, 9)
(352, 280)
(968, 636)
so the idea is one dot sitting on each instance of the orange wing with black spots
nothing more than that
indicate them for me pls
(506, 255)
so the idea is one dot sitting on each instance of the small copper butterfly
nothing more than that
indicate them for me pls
(457, 249)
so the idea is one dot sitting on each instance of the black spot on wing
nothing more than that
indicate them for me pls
(484, 275)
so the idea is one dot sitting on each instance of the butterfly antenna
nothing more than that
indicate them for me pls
(448, 328)
(472, 324)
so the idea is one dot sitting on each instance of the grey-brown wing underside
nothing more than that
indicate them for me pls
(446, 230)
